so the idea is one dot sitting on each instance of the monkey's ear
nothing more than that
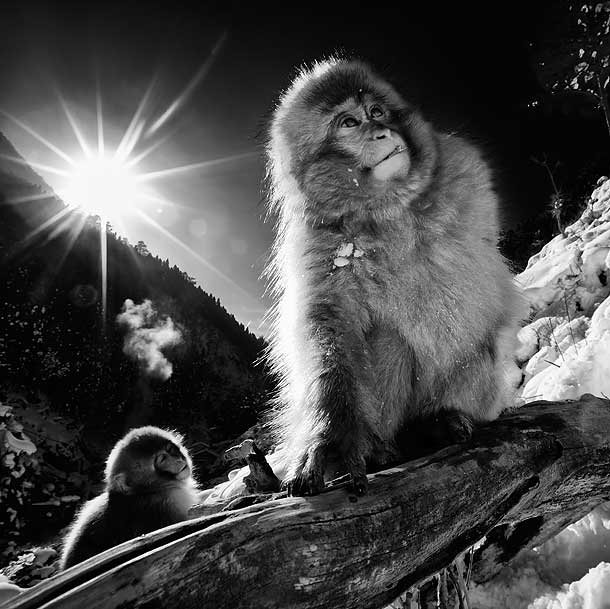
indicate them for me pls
(119, 483)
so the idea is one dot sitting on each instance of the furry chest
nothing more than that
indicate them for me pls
(356, 264)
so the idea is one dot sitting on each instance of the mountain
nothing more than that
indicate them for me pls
(14, 165)
(55, 339)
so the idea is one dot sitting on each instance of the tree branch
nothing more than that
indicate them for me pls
(520, 480)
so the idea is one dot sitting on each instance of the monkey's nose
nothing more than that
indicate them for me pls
(381, 133)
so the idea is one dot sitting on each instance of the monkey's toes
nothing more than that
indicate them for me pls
(356, 466)
(360, 484)
(458, 427)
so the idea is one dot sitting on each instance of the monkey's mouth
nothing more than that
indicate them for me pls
(185, 472)
(398, 150)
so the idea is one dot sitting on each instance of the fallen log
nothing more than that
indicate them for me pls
(520, 480)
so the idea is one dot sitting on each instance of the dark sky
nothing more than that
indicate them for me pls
(465, 64)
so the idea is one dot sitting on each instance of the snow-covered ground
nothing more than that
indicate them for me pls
(567, 346)
(565, 352)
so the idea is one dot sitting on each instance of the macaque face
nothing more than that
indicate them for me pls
(169, 462)
(149, 461)
(365, 131)
(350, 144)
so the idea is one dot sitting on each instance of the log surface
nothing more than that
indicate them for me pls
(524, 476)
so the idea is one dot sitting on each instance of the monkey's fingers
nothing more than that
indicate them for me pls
(456, 426)
(360, 484)
(308, 478)
(308, 483)
(356, 466)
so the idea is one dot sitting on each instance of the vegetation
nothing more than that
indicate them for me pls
(576, 52)
(61, 356)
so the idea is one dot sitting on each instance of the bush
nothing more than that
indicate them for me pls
(42, 478)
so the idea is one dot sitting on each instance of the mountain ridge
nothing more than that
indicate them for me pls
(55, 339)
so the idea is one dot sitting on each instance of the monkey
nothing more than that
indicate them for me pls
(392, 303)
(148, 485)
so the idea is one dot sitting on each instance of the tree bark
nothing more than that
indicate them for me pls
(520, 480)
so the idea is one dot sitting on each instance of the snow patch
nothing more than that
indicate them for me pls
(565, 352)
(566, 348)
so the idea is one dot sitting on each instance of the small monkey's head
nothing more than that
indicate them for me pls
(148, 459)
(342, 139)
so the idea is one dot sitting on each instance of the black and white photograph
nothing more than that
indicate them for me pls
(305, 305)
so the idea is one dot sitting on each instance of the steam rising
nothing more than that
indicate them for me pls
(147, 335)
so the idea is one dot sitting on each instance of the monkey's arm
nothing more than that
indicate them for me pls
(333, 359)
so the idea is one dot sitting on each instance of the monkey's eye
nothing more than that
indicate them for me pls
(172, 450)
(349, 122)
(376, 112)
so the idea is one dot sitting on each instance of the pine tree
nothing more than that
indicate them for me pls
(141, 248)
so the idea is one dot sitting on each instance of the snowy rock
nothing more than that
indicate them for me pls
(565, 351)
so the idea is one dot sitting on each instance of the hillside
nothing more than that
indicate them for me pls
(54, 339)
(13, 164)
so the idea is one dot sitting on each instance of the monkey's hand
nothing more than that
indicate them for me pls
(308, 477)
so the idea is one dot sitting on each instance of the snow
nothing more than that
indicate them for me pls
(565, 352)
(590, 592)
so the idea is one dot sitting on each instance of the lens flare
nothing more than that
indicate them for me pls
(109, 183)
(102, 185)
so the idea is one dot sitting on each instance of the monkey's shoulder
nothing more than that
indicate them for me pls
(89, 532)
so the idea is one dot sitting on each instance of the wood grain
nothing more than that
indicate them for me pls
(530, 472)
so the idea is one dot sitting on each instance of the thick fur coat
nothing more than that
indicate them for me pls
(393, 302)
(149, 485)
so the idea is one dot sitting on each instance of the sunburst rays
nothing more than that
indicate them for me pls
(181, 99)
(143, 135)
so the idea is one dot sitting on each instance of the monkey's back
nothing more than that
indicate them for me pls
(112, 518)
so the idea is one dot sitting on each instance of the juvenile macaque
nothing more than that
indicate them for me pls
(393, 302)
(149, 485)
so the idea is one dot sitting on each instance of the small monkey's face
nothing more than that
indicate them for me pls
(148, 458)
(366, 132)
(171, 463)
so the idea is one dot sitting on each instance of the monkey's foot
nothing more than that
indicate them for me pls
(454, 426)
(308, 479)
(426, 435)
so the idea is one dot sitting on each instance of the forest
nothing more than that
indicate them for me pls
(68, 377)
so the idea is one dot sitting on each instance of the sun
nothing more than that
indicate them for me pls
(109, 183)
(102, 185)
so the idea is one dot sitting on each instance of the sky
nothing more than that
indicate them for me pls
(216, 71)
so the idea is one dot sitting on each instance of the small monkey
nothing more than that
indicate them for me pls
(393, 304)
(149, 485)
